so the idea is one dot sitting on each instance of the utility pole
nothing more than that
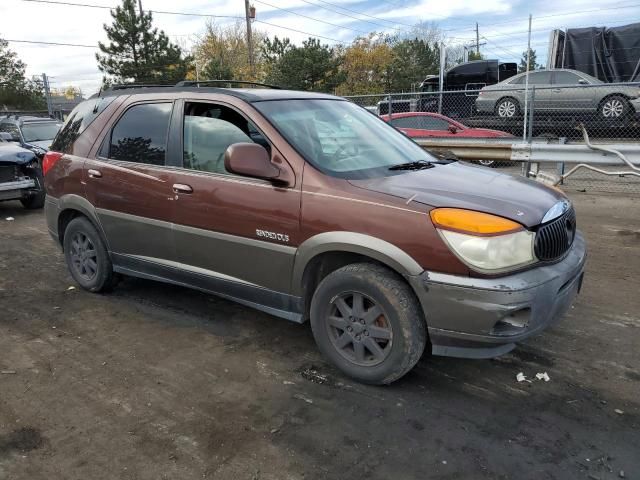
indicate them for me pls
(47, 93)
(249, 14)
(140, 7)
(477, 39)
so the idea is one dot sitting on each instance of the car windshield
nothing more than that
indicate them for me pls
(36, 132)
(342, 139)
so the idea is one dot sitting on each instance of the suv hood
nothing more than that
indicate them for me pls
(472, 187)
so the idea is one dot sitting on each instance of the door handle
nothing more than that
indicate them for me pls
(182, 188)
(94, 173)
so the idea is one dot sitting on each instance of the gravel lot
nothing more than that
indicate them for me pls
(154, 381)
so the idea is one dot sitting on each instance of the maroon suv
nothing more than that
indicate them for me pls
(306, 206)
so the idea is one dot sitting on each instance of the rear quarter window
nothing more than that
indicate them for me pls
(78, 121)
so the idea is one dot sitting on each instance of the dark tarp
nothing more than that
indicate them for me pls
(610, 54)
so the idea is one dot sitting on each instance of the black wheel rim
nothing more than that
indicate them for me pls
(84, 257)
(359, 329)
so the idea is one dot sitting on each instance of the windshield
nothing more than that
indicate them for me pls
(36, 132)
(340, 138)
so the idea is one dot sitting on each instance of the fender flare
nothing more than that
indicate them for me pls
(352, 242)
(76, 202)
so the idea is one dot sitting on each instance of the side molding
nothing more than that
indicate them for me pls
(352, 242)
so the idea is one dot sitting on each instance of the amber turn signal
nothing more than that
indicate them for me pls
(472, 222)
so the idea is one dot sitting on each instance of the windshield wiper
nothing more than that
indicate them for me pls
(417, 165)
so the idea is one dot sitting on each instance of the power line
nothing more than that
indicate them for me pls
(202, 15)
(359, 13)
(351, 16)
(311, 18)
(51, 43)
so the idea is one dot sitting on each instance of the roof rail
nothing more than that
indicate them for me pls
(200, 83)
(124, 86)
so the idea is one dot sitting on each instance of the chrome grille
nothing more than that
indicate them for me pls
(554, 239)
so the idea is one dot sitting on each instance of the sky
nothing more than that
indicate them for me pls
(502, 25)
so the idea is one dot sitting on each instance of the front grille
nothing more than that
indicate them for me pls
(555, 238)
(8, 173)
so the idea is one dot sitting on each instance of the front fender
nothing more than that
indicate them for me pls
(351, 242)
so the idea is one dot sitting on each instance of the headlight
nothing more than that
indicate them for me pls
(486, 243)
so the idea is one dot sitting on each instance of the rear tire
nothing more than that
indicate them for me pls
(367, 321)
(507, 108)
(87, 257)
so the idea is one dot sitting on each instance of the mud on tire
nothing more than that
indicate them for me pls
(87, 257)
(368, 322)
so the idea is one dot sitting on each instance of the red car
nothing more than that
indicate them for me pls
(427, 124)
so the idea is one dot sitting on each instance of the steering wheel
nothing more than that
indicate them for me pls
(343, 148)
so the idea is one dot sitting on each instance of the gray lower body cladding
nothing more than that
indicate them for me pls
(484, 318)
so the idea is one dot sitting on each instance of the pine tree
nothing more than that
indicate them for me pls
(533, 65)
(138, 52)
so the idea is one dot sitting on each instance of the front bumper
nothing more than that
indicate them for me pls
(635, 103)
(483, 318)
(16, 189)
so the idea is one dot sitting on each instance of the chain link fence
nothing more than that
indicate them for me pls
(504, 114)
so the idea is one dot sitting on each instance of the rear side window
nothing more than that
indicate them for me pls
(141, 134)
(78, 121)
(540, 78)
(566, 78)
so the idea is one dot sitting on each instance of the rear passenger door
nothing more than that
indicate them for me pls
(224, 222)
(568, 94)
(130, 185)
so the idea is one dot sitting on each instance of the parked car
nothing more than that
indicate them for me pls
(425, 125)
(560, 91)
(33, 133)
(20, 174)
(308, 207)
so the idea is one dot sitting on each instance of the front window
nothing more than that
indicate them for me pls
(38, 132)
(340, 138)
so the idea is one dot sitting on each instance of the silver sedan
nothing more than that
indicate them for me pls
(560, 91)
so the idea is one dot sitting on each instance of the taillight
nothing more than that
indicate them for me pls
(49, 160)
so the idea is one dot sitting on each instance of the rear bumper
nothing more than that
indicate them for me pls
(483, 318)
(485, 105)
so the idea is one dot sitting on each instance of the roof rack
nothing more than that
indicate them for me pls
(124, 86)
(200, 83)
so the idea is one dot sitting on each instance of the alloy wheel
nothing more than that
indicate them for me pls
(613, 108)
(84, 257)
(507, 109)
(358, 329)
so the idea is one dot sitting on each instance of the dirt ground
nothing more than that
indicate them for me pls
(158, 382)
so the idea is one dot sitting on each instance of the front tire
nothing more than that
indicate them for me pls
(36, 200)
(614, 107)
(367, 321)
(87, 257)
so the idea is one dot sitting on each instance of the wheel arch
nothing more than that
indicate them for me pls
(610, 95)
(324, 253)
(72, 206)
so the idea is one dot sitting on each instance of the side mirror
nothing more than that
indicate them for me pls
(5, 137)
(582, 81)
(453, 129)
(250, 160)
